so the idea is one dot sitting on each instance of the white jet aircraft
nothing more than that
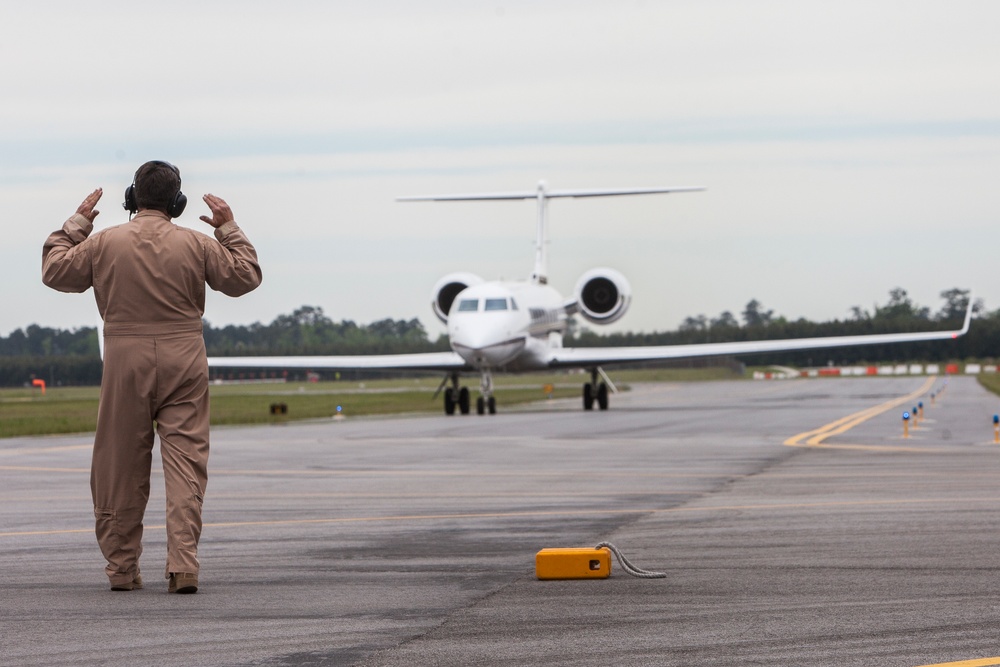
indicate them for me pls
(518, 326)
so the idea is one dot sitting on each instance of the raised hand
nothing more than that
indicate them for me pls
(221, 213)
(86, 209)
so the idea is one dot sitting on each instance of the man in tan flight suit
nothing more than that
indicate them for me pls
(149, 279)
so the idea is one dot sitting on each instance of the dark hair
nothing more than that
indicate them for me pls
(156, 184)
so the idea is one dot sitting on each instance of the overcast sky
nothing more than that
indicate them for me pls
(848, 148)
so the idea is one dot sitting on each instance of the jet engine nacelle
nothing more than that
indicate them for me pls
(446, 289)
(602, 295)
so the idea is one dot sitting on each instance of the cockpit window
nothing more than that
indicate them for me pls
(468, 305)
(513, 304)
(496, 304)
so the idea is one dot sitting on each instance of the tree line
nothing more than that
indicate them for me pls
(72, 356)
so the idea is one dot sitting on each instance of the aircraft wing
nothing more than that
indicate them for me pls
(575, 357)
(427, 361)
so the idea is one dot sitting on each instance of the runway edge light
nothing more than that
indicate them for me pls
(573, 563)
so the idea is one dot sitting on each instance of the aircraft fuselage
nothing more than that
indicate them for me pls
(507, 326)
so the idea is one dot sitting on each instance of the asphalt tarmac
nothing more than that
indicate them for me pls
(789, 536)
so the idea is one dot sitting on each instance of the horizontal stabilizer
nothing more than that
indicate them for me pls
(535, 194)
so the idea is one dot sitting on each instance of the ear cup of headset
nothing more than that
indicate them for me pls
(130, 205)
(177, 205)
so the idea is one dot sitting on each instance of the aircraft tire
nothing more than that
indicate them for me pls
(449, 401)
(491, 405)
(480, 406)
(588, 396)
(463, 400)
(602, 396)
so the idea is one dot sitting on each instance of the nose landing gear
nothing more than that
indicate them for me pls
(486, 401)
(456, 396)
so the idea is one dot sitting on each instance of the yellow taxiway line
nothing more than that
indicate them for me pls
(815, 437)
(983, 662)
(991, 500)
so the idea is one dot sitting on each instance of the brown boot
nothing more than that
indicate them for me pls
(134, 585)
(183, 582)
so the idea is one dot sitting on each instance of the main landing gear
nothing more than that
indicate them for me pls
(595, 391)
(457, 396)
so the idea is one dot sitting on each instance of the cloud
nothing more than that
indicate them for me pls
(848, 149)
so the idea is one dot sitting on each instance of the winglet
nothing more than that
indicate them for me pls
(968, 318)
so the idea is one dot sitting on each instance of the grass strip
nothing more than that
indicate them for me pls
(25, 411)
(990, 381)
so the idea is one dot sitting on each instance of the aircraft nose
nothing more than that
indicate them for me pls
(480, 348)
(493, 356)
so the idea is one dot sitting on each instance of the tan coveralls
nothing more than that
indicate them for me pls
(149, 279)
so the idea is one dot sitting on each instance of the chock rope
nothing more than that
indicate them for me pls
(629, 567)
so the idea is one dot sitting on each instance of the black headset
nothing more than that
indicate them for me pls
(177, 202)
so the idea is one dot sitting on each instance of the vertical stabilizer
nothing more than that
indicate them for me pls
(540, 275)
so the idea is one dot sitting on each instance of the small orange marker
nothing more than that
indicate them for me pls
(573, 563)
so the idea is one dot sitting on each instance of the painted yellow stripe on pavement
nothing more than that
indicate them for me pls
(265, 472)
(37, 450)
(984, 662)
(42, 469)
(990, 500)
(815, 437)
